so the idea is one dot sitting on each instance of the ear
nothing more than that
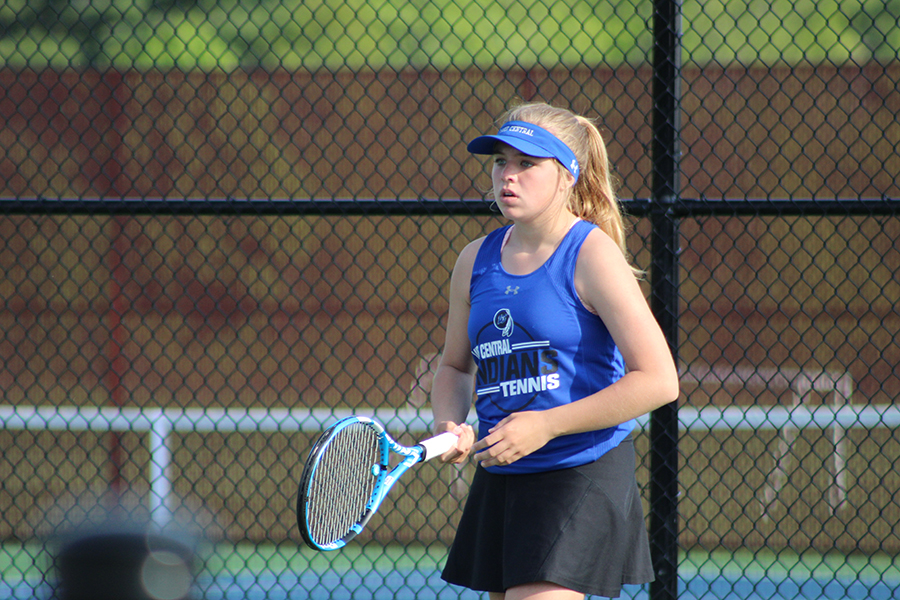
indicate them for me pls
(566, 180)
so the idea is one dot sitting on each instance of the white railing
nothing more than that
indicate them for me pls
(159, 423)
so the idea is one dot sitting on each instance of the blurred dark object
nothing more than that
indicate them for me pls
(118, 562)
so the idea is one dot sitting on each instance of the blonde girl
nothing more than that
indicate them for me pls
(548, 330)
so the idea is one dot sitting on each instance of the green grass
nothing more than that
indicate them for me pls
(355, 34)
(253, 559)
(30, 560)
(788, 564)
(20, 561)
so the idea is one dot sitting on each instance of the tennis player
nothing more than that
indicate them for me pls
(549, 330)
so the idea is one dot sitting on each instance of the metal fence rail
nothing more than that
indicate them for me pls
(159, 423)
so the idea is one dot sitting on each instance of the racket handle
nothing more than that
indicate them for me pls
(438, 445)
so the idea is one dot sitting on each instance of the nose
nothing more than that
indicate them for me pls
(506, 172)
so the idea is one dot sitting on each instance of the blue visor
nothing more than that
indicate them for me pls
(528, 139)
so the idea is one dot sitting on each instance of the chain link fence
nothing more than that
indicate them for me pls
(226, 223)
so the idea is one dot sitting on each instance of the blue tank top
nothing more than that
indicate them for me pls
(537, 347)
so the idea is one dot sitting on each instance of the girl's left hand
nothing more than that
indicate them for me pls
(516, 436)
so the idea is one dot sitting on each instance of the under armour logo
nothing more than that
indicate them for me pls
(512, 290)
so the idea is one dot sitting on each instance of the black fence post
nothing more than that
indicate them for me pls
(664, 290)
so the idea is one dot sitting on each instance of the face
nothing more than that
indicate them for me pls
(527, 187)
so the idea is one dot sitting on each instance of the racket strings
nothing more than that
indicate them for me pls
(343, 483)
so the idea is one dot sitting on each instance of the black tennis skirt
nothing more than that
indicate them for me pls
(582, 528)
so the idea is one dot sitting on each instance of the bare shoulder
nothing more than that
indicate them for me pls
(600, 252)
(602, 271)
(471, 250)
(462, 272)
(466, 259)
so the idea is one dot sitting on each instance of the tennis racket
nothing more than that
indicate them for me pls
(348, 474)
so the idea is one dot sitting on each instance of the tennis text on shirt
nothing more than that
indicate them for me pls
(516, 365)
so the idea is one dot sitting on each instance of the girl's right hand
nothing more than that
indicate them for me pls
(460, 452)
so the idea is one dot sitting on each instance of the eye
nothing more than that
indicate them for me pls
(499, 161)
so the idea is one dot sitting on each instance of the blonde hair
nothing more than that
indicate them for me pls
(593, 197)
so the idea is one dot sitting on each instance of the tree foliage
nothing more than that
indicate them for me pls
(360, 34)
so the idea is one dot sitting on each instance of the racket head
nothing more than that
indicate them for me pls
(344, 472)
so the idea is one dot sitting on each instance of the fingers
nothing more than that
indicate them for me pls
(493, 455)
(515, 437)
(463, 446)
(494, 450)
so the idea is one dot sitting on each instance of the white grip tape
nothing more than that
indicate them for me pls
(438, 444)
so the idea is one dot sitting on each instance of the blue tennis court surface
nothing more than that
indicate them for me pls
(416, 585)
(766, 588)
(422, 586)
(408, 573)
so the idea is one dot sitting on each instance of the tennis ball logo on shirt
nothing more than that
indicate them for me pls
(504, 322)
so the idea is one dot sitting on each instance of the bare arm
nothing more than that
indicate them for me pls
(605, 281)
(454, 380)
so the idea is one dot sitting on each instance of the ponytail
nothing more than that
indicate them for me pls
(593, 198)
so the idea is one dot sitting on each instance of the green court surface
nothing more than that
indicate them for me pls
(287, 572)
